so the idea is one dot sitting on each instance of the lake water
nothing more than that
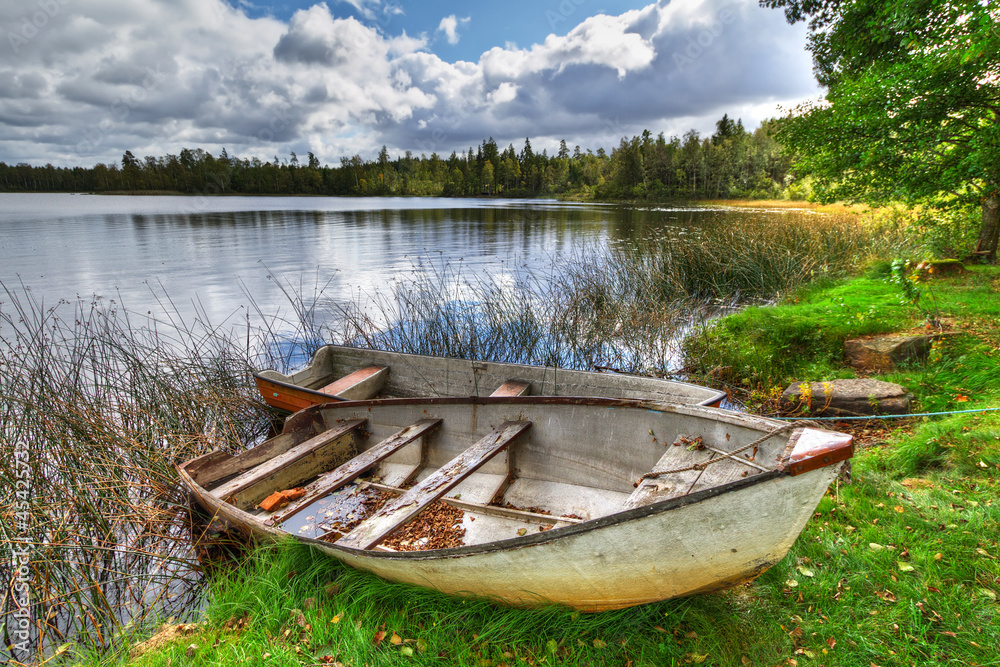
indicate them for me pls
(211, 255)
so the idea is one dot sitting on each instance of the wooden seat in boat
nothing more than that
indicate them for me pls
(292, 466)
(668, 479)
(513, 388)
(396, 513)
(360, 385)
(348, 472)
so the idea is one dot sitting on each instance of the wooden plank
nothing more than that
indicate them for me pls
(513, 388)
(723, 472)
(673, 485)
(349, 471)
(252, 458)
(493, 510)
(360, 385)
(377, 527)
(742, 458)
(242, 483)
(197, 467)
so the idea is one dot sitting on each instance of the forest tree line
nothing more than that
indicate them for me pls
(732, 162)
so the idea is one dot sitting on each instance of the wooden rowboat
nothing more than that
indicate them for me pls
(348, 373)
(594, 503)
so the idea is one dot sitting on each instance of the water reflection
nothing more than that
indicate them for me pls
(213, 252)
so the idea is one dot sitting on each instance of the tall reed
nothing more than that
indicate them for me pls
(105, 405)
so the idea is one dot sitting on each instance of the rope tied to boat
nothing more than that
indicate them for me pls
(729, 455)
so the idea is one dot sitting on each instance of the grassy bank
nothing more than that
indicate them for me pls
(900, 567)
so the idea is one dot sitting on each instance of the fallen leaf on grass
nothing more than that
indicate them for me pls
(600, 643)
(696, 658)
(336, 619)
(407, 651)
(379, 636)
(805, 572)
(395, 640)
(791, 583)
(988, 593)
(886, 596)
(904, 567)
(875, 546)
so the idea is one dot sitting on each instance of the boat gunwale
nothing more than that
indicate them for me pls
(714, 399)
(781, 469)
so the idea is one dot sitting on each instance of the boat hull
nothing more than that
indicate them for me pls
(731, 522)
(702, 543)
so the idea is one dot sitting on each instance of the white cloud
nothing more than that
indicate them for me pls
(449, 26)
(153, 77)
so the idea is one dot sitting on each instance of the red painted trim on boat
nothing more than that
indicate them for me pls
(813, 449)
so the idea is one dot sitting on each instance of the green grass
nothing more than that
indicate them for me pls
(764, 347)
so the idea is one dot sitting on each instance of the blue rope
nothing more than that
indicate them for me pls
(916, 414)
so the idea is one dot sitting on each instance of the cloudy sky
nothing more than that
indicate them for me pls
(81, 81)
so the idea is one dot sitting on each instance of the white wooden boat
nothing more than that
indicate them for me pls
(348, 373)
(589, 502)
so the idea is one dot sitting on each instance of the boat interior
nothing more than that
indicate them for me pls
(423, 475)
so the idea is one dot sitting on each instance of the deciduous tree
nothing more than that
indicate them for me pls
(912, 109)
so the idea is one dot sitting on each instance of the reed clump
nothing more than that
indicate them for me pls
(627, 307)
(752, 255)
(568, 317)
(96, 408)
